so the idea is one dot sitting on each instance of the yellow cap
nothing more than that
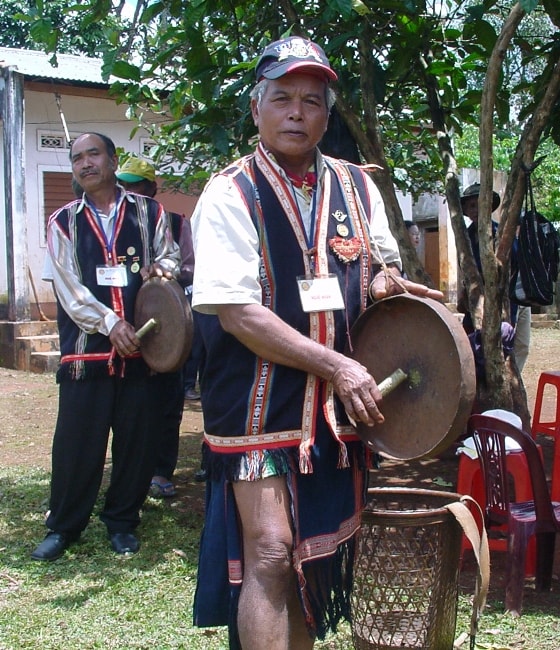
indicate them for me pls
(135, 170)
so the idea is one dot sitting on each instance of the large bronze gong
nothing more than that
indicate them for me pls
(163, 319)
(427, 411)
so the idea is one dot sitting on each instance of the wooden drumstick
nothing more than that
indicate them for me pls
(148, 325)
(394, 379)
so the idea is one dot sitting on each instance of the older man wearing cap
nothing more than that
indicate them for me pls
(287, 243)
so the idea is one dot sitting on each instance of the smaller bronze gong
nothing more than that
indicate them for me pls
(163, 318)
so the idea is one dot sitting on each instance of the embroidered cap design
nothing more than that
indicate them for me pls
(294, 54)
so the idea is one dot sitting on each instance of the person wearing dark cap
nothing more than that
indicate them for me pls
(520, 315)
(469, 204)
(139, 176)
(288, 244)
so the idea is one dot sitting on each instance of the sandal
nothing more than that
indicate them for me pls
(162, 490)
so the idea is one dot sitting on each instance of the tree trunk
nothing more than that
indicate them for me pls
(370, 143)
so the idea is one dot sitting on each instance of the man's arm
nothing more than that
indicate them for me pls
(269, 337)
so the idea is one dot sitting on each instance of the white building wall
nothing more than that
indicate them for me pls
(3, 254)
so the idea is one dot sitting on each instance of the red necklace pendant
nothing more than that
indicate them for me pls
(347, 250)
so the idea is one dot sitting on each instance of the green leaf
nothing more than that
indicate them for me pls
(151, 11)
(220, 139)
(481, 32)
(529, 5)
(126, 70)
(342, 7)
(360, 8)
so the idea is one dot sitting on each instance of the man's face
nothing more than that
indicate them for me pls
(92, 166)
(292, 117)
(470, 208)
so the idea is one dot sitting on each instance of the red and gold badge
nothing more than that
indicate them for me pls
(347, 250)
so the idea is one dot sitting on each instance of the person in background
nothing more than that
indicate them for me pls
(100, 248)
(194, 366)
(520, 314)
(288, 242)
(469, 204)
(139, 176)
(520, 317)
(413, 233)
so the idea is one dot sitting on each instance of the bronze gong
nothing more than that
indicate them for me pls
(163, 319)
(429, 408)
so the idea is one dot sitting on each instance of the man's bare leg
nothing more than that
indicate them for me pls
(266, 602)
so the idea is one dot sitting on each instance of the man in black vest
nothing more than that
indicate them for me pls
(287, 243)
(100, 249)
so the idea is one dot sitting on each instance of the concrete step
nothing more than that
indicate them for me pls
(41, 362)
(549, 316)
(35, 328)
(41, 342)
(38, 352)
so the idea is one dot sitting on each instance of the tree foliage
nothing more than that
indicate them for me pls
(30, 24)
(192, 60)
(546, 187)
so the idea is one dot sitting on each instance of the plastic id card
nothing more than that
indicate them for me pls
(320, 293)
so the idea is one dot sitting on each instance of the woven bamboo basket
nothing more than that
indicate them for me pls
(406, 571)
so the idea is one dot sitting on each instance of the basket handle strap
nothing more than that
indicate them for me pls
(479, 542)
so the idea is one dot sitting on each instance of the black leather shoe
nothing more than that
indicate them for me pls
(123, 543)
(52, 547)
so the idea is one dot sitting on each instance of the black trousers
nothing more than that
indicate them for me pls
(88, 411)
(170, 391)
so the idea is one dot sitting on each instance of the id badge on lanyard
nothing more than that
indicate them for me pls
(320, 293)
(111, 276)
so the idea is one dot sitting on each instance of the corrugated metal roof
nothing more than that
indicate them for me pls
(36, 65)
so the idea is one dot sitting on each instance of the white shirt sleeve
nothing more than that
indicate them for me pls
(80, 304)
(380, 232)
(226, 248)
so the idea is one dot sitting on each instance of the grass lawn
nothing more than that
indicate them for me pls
(93, 598)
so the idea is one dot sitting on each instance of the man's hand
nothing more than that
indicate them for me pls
(392, 284)
(123, 337)
(155, 271)
(358, 391)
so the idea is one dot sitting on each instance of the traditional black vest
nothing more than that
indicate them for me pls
(88, 355)
(245, 398)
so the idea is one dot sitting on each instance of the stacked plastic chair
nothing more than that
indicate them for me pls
(538, 517)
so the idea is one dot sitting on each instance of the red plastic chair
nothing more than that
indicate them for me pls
(469, 481)
(539, 517)
(539, 424)
(555, 487)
